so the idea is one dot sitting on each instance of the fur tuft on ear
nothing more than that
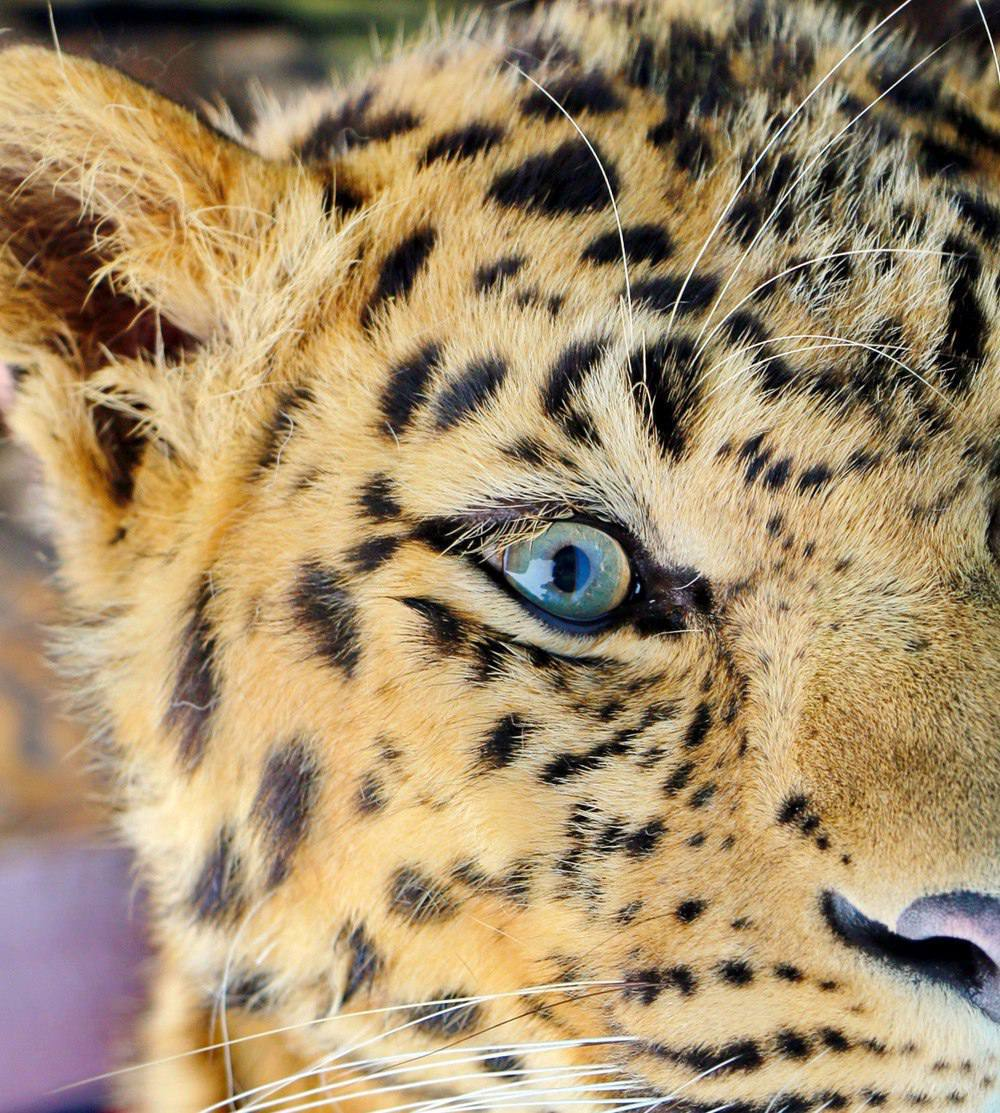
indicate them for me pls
(127, 231)
(117, 209)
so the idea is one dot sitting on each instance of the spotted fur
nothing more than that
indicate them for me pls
(609, 261)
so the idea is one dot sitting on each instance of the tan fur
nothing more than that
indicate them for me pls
(852, 654)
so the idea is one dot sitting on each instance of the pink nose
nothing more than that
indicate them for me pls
(970, 918)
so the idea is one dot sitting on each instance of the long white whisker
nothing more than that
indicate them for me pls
(703, 341)
(343, 1054)
(763, 154)
(608, 186)
(549, 1073)
(792, 186)
(528, 991)
(989, 35)
(840, 341)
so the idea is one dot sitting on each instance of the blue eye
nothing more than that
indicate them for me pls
(571, 571)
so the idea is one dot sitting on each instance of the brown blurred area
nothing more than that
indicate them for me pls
(194, 51)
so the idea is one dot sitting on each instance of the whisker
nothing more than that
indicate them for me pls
(747, 177)
(608, 186)
(557, 1073)
(989, 35)
(339, 1057)
(528, 991)
(793, 185)
(702, 341)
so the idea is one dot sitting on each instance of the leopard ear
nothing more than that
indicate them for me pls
(124, 230)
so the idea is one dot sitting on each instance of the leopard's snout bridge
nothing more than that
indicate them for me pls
(949, 938)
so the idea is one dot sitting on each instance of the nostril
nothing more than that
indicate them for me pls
(972, 917)
(950, 938)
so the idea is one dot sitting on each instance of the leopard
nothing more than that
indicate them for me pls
(527, 519)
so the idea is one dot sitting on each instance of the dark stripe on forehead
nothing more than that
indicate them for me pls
(568, 373)
(661, 294)
(564, 181)
(644, 243)
(400, 270)
(464, 142)
(407, 386)
(469, 392)
(575, 93)
(964, 347)
(667, 371)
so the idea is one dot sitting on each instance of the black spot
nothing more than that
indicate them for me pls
(689, 910)
(504, 744)
(575, 93)
(371, 794)
(639, 843)
(218, 890)
(647, 985)
(418, 899)
(788, 973)
(980, 214)
(449, 1015)
(792, 1045)
(566, 377)
(400, 270)
(322, 604)
(699, 726)
(407, 385)
(812, 479)
(561, 182)
(363, 965)
(442, 622)
(469, 392)
(378, 499)
(793, 808)
(661, 294)
(666, 373)
(250, 992)
(834, 1040)
(492, 274)
(963, 350)
(194, 697)
(350, 127)
(564, 766)
(284, 802)
(503, 1064)
(282, 425)
(464, 142)
(777, 474)
(736, 972)
(678, 779)
(745, 219)
(370, 555)
(702, 796)
(644, 243)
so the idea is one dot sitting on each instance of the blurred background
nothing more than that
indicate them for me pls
(70, 924)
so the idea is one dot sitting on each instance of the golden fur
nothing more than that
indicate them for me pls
(283, 384)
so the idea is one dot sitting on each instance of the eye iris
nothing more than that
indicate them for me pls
(571, 571)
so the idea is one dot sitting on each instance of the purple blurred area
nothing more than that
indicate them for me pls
(70, 958)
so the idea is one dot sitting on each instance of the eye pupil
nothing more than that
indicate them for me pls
(570, 569)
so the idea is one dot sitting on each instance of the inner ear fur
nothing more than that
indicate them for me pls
(117, 211)
(125, 229)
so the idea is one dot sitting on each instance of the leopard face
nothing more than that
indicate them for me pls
(688, 306)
